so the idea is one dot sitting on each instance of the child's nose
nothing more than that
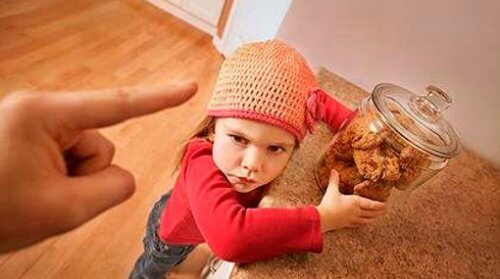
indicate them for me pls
(252, 160)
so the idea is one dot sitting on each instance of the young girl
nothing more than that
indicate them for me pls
(265, 101)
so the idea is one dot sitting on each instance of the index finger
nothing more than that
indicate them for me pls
(100, 108)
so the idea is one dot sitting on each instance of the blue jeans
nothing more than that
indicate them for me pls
(158, 258)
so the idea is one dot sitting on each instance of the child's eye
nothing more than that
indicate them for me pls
(237, 139)
(276, 149)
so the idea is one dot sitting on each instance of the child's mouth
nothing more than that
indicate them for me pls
(245, 180)
(242, 180)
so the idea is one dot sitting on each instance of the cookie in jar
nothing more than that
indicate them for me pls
(396, 140)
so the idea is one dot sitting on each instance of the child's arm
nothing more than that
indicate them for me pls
(334, 113)
(240, 234)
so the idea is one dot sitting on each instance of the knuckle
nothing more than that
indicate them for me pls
(128, 185)
(21, 100)
(124, 99)
(127, 180)
(108, 148)
(104, 147)
(111, 150)
(357, 201)
(22, 107)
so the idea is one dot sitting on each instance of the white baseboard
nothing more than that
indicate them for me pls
(185, 16)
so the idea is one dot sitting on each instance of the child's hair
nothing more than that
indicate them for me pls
(203, 129)
(268, 82)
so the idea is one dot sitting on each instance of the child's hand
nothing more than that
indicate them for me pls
(339, 211)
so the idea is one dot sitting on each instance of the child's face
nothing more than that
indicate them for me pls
(250, 153)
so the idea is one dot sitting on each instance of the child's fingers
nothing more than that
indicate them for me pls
(366, 218)
(371, 213)
(367, 204)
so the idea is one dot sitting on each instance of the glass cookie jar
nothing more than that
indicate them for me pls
(394, 140)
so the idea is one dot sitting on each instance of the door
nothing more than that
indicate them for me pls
(250, 21)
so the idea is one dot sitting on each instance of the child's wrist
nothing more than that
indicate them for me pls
(324, 224)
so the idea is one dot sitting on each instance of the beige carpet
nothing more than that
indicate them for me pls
(448, 228)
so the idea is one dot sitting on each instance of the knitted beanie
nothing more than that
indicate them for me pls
(268, 82)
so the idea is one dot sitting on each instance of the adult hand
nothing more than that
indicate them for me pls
(55, 170)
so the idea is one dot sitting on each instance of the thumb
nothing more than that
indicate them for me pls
(333, 183)
(95, 193)
(334, 178)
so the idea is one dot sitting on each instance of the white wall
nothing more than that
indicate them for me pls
(250, 21)
(454, 44)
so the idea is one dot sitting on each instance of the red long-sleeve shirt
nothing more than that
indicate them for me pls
(203, 207)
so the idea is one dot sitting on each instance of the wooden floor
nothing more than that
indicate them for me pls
(84, 44)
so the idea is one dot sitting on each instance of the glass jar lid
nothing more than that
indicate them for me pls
(418, 118)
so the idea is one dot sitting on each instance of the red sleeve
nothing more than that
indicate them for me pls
(240, 234)
(334, 113)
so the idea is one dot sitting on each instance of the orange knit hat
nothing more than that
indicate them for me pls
(269, 82)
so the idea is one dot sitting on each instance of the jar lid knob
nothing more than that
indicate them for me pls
(432, 104)
(438, 98)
